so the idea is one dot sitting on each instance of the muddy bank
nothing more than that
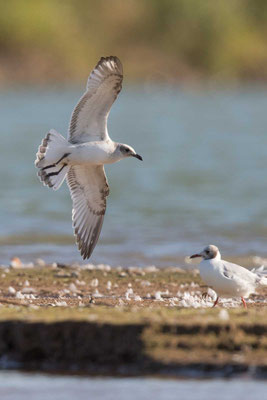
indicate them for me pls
(212, 350)
(58, 285)
(97, 320)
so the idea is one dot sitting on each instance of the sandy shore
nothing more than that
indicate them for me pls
(98, 320)
(37, 285)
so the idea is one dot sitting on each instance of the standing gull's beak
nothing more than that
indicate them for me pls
(137, 156)
(195, 255)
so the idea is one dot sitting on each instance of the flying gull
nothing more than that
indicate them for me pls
(81, 158)
(227, 279)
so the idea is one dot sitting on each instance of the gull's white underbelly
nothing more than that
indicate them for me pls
(91, 153)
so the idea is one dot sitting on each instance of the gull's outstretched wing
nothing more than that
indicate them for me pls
(89, 118)
(89, 189)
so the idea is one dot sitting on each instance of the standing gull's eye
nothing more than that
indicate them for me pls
(127, 150)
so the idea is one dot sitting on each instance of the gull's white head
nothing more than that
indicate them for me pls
(209, 253)
(124, 151)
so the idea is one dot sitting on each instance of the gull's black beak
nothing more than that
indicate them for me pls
(137, 156)
(195, 255)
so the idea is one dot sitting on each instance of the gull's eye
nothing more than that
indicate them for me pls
(127, 150)
(207, 251)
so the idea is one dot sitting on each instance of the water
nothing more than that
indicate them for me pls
(203, 179)
(21, 386)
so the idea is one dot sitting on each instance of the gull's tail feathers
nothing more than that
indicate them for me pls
(262, 280)
(261, 273)
(51, 158)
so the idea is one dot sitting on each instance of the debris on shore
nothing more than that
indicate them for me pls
(95, 319)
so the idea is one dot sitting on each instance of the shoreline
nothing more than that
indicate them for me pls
(127, 322)
(110, 351)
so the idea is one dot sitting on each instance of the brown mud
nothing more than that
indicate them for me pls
(97, 320)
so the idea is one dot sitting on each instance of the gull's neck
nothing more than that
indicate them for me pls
(218, 257)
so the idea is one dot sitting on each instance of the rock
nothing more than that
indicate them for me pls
(94, 282)
(11, 290)
(40, 263)
(145, 283)
(60, 303)
(96, 294)
(73, 288)
(103, 267)
(19, 295)
(224, 315)
(59, 265)
(81, 283)
(158, 296)
(28, 290)
(129, 293)
(15, 262)
(151, 268)
(62, 274)
(75, 274)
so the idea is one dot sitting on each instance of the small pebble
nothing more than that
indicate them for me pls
(73, 288)
(151, 268)
(34, 307)
(145, 283)
(15, 262)
(81, 283)
(127, 295)
(19, 295)
(28, 290)
(39, 262)
(158, 296)
(11, 290)
(96, 294)
(61, 303)
(94, 282)
(224, 315)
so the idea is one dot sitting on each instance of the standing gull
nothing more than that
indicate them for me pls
(81, 158)
(227, 279)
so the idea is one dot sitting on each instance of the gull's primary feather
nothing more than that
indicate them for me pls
(89, 118)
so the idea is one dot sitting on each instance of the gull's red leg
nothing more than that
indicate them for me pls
(216, 302)
(244, 303)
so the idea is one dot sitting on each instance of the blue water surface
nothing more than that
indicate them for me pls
(203, 179)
